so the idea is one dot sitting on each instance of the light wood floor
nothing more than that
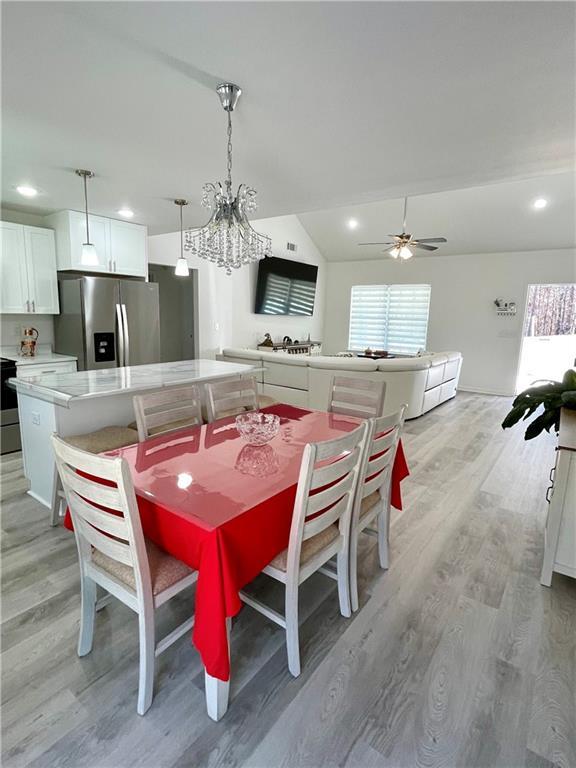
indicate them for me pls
(457, 657)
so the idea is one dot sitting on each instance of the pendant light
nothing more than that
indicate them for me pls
(89, 256)
(182, 269)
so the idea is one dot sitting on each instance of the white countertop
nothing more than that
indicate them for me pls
(68, 388)
(43, 355)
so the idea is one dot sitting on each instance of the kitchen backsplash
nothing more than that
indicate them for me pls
(11, 329)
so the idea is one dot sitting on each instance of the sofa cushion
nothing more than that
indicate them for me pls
(284, 358)
(342, 363)
(404, 364)
(248, 354)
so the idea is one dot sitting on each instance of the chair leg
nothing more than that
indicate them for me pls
(56, 499)
(383, 530)
(354, 570)
(88, 612)
(147, 646)
(343, 571)
(292, 634)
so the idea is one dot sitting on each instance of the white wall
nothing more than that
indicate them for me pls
(462, 312)
(22, 217)
(226, 303)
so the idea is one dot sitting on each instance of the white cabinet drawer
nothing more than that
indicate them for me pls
(44, 369)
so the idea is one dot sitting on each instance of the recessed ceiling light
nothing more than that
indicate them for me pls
(26, 191)
(127, 213)
(541, 202)
(352, 223)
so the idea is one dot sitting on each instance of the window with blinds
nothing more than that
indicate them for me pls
(390, 317)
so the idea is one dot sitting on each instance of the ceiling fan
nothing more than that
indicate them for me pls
(401, 244)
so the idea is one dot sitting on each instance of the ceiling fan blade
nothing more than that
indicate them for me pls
(416, 244)
(432, 240)
(376, 243)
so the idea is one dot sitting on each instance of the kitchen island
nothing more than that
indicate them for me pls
(81, 402)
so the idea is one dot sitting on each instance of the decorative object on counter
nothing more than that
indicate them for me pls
(228, 239)
(287, 341)
(181, 269)
(295, 348)
(402, 243)
(257, 428)
(553, 395)
(267, 341)
(89, 254)
(28, 343)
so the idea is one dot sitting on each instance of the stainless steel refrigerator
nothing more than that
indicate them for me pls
(108, 323)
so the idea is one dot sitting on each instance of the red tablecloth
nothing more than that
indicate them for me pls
(225, 508)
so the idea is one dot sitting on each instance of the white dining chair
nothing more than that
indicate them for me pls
(231, 397)
(114, 554)
(372, 501)
(320, 529)
(357, 397)
(160, 412)
(104, 439)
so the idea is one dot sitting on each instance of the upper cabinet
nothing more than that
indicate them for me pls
(121, 246)
(28, 280)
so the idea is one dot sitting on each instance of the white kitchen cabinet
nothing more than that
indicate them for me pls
(27, 270)
(120, 245)
(128, 244)
(32, 370)
(560, 533)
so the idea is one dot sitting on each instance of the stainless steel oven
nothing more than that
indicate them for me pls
(9, 422)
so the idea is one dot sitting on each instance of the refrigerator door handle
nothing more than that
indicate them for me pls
(126, 336)
(120, 325)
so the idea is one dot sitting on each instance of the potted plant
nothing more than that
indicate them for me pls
(553, 395)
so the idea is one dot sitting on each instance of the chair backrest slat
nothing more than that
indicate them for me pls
(329, 473)
(376, 469)
(117, 550)
(232, 396)
(167, 410)
(357, 397)
(319, 524)
(105, 517)
(326, 490)
(323, 499)
(113, 525)
(84, 487)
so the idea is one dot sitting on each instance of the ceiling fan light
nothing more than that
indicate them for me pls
(395, 252)
(89, 257)
(181, 269)
(405, 253)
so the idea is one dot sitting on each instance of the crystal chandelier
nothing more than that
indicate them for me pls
(228, 239)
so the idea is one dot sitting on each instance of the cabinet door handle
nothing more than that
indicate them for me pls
(115, 270)
(549, 492)
(27, 305)
(33, 305)
(109, 265)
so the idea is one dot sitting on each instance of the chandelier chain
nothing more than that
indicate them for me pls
(229, 166)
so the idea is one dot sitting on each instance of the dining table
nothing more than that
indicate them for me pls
(224, 507)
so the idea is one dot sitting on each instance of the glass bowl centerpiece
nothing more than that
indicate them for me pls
(257, 428)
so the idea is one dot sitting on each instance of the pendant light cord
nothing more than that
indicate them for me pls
(181, 235)
(86, 207)
(229, 149)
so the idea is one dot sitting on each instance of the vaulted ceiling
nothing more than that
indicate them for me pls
(344, 103)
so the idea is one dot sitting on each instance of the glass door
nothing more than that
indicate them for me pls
(549, 334)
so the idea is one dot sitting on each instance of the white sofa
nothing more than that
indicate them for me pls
(303, 380)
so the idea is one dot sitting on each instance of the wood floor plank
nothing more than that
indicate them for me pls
(457, 657)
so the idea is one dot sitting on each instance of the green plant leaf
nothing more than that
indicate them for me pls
(540, 423)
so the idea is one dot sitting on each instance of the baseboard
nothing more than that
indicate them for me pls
(40, 499)
(477, 391)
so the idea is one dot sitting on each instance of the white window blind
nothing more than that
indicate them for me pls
(390, 317)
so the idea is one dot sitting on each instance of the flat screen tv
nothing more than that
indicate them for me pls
(285, 287)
